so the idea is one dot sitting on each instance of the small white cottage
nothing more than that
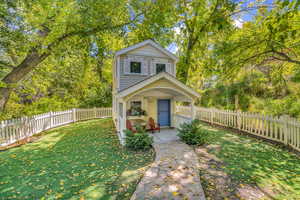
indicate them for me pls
(145, 85)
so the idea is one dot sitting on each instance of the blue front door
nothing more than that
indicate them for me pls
(163, 112)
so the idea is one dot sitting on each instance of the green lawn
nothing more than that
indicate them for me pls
(250, 163)
(78, 161)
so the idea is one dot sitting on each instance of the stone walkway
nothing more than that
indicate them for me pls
(174, 173)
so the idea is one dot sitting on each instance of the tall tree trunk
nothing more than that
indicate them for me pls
(100, 68)
(236, 102)
(4, 95)
(183, 71)
(18, 73)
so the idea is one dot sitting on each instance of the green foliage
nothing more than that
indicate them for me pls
(83, 160)
(192, 133)
(79, 39)
(138, 141)
(253, 67)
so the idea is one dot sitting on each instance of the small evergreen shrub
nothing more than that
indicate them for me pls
(138, 141)
(192, 133)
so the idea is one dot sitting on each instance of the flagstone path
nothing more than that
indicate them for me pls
(174, 173)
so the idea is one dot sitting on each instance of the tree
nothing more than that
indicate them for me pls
(32, 31)
(198, 20)
(271, 39)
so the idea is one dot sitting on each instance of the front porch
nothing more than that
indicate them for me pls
(155, 99)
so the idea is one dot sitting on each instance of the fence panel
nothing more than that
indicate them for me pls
(285, 130)
(14, 130)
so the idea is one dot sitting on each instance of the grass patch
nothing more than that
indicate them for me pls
(82, 160)
(250, 163)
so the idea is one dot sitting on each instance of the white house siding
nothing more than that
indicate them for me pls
(127, 80)
(148, 50)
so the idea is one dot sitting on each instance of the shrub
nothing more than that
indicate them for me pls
(138, 141)
(192, 133)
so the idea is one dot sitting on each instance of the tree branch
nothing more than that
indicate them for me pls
(6, 65)
(286, 57)
(85, 33)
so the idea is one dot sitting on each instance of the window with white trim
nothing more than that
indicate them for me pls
(135, 67)
(160, 67)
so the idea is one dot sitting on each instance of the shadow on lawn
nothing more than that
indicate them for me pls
(249, 167)
(79, 160)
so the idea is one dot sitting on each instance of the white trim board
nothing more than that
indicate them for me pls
(146, 42)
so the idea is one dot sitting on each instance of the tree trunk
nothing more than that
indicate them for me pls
(4, 95)
(236, 102)
(100, 68)
(184, 69)
(32, 59)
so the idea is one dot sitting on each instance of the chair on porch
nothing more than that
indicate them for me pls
(153, 126)
(129, 126)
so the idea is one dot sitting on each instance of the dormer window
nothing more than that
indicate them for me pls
(160, 67)
(135, 67)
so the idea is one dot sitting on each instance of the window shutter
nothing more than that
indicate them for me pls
(127, 66)
(144, 67)
(168, 68)
(152, 67)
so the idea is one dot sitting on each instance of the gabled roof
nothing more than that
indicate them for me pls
(154, 78)
(147, 42)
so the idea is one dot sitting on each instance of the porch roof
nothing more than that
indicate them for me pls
(149, 84)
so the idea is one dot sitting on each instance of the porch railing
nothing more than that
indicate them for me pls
(180, 119)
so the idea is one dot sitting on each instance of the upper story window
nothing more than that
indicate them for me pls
(135, 67)
(160, 67)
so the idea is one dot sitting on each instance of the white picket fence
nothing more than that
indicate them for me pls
(283, 129)
(17, 129)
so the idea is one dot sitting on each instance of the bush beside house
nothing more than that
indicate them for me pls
(192, 133)
(138, 141)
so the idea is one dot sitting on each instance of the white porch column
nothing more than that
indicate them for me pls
(123, 136)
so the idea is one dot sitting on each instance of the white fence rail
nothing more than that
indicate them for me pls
(184, 111)
(283, 129)
(17, 129)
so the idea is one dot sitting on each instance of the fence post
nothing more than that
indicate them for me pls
(211, 116)
(239, 120)
(2, 137)
(95, 112)
(74, 114)
(285, 124)
(51, 119)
